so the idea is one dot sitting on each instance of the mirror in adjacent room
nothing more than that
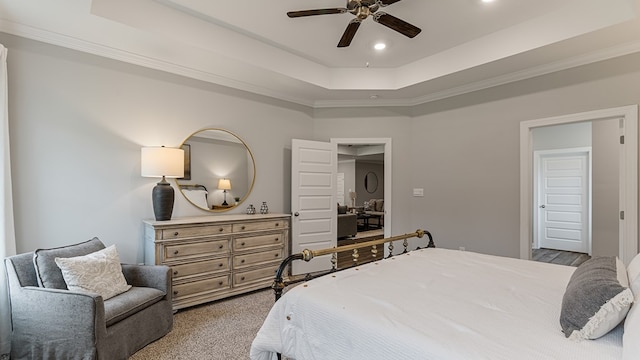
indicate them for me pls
(371, 182)
(219, 170)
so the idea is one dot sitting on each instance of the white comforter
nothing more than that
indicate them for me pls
(429, 304)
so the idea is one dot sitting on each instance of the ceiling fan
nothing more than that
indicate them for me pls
(362, 9)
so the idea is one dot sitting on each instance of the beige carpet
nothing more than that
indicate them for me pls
(221, 330)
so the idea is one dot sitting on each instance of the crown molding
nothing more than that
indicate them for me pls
(159, 64)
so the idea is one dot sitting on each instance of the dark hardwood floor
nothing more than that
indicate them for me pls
(559, 257)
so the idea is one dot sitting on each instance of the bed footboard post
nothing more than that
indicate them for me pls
(431, 244)
(278, 283)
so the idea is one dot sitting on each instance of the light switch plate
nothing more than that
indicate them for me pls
(418, 192)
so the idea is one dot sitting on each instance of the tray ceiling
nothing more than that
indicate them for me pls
(465, 45)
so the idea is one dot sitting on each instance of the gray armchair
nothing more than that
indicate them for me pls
(54, 323)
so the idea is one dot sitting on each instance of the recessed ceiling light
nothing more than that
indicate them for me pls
(379, 46)
(487, 1)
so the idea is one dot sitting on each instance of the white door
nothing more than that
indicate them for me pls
(313, 201)
(563, 201)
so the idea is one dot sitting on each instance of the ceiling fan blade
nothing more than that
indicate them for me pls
(301, 13)
(396, 24)
(387, 2)
(349, 33)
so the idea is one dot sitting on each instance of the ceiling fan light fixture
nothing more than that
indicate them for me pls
(362, 9)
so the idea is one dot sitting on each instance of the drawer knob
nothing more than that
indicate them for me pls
(176, 233)
(242, 278)
(175, 272)
(277, 224)
(221, 229)
(220, 265)
(277, 255)
(175, 292)
(220, 283)
(276, 239)
(221, 247)
(242, 261)
(243, 227)
(242, 243)
(175, 252)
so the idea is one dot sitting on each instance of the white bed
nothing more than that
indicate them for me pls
(430, 304)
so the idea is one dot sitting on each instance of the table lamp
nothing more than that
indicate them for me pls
(162, 162)
(224, 184)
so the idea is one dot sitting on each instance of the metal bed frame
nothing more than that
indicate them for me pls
(279, 283)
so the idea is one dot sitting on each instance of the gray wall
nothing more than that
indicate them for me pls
(468, 149)
(77, 123)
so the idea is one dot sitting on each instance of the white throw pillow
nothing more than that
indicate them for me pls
(99, 272)
(630, 343)
(633, 270)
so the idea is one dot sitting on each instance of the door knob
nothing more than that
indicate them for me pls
(542, 206)
(296, 214)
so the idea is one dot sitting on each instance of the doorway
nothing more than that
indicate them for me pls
(314, 194)
(625, 214)
(384, 146)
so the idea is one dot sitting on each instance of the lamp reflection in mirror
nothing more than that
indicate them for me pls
(224, 184)
(162, 162)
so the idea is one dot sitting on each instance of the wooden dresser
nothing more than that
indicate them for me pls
(213, 257)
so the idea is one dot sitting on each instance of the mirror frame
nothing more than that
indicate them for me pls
(253, 163)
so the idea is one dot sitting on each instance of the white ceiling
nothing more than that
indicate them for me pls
(465, 45)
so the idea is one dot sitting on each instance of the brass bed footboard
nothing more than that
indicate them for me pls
(279, 284)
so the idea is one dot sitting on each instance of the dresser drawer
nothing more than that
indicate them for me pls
(245, 260)
(177, 233)
(260, 225)
(200, 286)
(250, 242)
(265, 274)
(199, 268)
(203, 248)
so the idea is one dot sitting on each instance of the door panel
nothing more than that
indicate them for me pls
(563, 210)
(313, 201)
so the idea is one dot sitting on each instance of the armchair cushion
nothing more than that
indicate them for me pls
(130, 302)
(48, 273)
(99, 272)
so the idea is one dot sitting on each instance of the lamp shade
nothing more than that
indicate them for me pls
(162, 161)
(224, 184)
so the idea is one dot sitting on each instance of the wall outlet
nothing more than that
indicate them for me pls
(418, 192)
(461, 248)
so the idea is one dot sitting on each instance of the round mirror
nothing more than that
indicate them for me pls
(219, 170)
(371, 182)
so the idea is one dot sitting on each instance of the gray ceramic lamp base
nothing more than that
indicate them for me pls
(163, 196)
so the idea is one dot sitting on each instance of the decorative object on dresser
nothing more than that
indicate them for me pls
(77, 314)
(213, 257)
(162, 162)
(219, 158)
